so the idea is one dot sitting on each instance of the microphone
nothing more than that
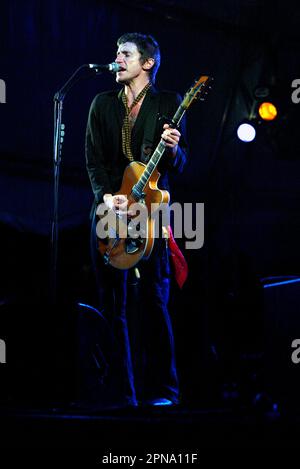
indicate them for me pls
(113, 67)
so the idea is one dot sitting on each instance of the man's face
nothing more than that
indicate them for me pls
(128, 57)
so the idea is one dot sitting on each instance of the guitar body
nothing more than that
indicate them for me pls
(121, 243)
(116, 253)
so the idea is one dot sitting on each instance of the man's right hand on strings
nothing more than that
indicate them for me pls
(118, 203)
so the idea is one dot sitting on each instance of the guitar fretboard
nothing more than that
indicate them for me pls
(138, 189)
(152, 164)
(158, 153)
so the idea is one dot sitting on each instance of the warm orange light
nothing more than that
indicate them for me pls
(267, 111)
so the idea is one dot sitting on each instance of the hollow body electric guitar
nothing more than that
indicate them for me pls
(124, 240)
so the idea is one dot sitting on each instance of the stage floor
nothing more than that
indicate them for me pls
(177, 430)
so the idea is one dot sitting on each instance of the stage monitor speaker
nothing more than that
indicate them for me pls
(40, 354)
(56, 356)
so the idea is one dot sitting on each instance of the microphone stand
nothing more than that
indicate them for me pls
(59, 132)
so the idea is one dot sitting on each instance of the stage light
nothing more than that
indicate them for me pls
(267, 111)
(246, 132)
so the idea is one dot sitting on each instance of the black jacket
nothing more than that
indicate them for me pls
(104, 157)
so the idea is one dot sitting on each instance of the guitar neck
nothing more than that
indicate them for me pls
(157, 154)
(190, 96)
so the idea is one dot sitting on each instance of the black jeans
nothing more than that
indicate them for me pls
(138, 313)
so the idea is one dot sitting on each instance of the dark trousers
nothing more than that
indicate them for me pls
(137, 311)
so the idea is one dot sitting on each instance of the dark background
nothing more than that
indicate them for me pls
(251, 191)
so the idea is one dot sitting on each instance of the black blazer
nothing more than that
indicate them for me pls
(104, 157)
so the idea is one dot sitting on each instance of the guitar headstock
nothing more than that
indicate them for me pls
(197, 91)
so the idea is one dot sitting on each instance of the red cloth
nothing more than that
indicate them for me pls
(178, 260)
